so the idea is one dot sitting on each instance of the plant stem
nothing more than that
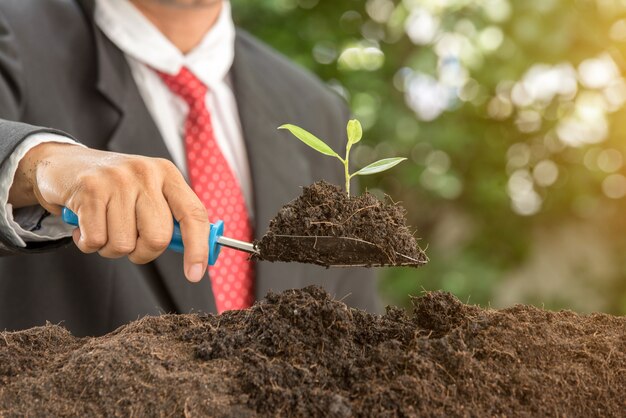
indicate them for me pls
(347, 178)
(346, 166)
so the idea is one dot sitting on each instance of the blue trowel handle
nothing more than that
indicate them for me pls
(176, 244)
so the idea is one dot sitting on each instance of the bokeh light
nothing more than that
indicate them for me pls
(512, 114)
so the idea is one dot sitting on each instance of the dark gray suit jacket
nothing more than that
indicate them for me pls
(58, 71)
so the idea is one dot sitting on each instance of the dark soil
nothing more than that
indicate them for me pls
(300, 353)
(324, 226)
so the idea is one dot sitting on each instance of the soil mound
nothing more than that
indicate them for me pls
(301, 353)
(324, 226)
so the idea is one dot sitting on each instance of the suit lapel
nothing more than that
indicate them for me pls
(136, 133)
(277, 166)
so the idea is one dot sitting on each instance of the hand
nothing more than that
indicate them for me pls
(124, 202)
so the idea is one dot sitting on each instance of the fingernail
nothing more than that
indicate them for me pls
(195, 273)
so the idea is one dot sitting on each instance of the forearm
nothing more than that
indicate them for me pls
(21, 192)
(16, 139)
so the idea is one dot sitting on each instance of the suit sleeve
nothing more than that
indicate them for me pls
(12, 131)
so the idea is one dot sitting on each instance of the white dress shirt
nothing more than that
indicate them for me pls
(147, 49)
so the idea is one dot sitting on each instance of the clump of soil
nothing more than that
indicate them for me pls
(301, 353)
(327, 227)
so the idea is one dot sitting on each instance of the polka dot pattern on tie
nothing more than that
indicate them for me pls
(212, 179)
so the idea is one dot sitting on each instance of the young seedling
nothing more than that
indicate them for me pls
(355, 132)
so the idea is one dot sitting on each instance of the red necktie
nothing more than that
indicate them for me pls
(212, 179)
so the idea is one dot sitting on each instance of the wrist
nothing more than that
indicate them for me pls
(24, 190)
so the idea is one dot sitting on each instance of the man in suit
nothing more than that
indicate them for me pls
(129, 111)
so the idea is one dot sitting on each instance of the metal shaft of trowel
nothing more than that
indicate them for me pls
(237, 245)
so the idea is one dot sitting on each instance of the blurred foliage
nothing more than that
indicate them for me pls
(512, 115)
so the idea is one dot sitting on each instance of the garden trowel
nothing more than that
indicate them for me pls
(348, 247)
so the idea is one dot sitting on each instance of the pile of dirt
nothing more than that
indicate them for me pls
(301, 353)
(327, 227)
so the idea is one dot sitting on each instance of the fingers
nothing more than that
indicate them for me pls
(194, 226)
(141, 232)
(92, 221)
(154, 227)
(121, 227)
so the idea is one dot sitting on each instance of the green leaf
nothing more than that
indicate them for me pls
(378, 166)
(310, 139)
(355, 131)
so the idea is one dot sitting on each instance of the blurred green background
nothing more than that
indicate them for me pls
(512, 115)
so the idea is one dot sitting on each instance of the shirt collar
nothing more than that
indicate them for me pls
(138, 38)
